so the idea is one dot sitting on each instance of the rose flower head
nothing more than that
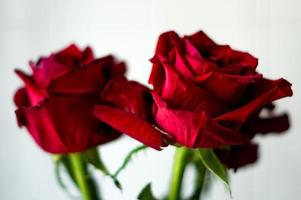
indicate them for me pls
(205, 95)
(56, 102)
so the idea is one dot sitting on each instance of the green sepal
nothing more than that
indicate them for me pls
(213, 164)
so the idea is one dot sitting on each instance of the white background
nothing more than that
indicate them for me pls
(269, 29)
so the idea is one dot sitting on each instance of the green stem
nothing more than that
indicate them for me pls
(81, 175)
(180, 161)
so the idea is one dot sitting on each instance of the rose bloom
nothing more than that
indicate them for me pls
(56, 102)
(204, 95)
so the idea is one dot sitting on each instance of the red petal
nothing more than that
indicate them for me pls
(128, 95)
(130, 124)
(34, 93)
(183, 94)
(168, 41)
(21, 98)
(157, 76)
(219, 54)
(90, 78)
(182, 66)
(60, 63)
(201, 41)
(194, 129)
(227, 88)
(71, 56)
(243, 59)
(48, 69)
(87, 56)
(238, 156)
(273, 124)
(64, 124)
(260, 93)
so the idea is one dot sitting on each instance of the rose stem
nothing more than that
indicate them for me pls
(180, 161)
(81, 175)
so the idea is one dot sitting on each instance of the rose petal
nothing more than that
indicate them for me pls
(243, 59)
(194, 129)
(182, 94)
(182, 66)
(200, 66)
(91, 78)
(21, 98)
(130, 124)
(227, 88)
(87, 56)
(157, 75)
(71, 56)
(168, 41)
(48, 69)
(201, 41)
(35, 94)
(64, 124)
(260, 93)
(128, 95)
(272, 124)
(238, 156)
(219, 54)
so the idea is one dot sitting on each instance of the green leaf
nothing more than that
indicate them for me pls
(213, 164)
(146, 193)
(128, 158)
(92, 156)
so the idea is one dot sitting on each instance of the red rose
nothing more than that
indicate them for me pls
(205, 96)
(56, 103)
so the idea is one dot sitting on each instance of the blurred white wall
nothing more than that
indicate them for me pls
(269, 29)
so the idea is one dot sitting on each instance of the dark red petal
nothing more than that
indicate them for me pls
(48, 69)
(91, 78)
(191, 50)
(116, 70)
(60, 63)
(34, 93)
(243, 59)
(197, 62)
(219, 54)
(273, 124)
(201, 41)
(182, 66)
(87, 56)
(41, 129)
(128, 95)
(194, 129)
(183, 94)
(71, 56)
(157, 76)
(260, 93)
(227, 88)
(64, 124)
(238, 156)
(21, 98)
(167, 41)
(201, 66)
(130, 124)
